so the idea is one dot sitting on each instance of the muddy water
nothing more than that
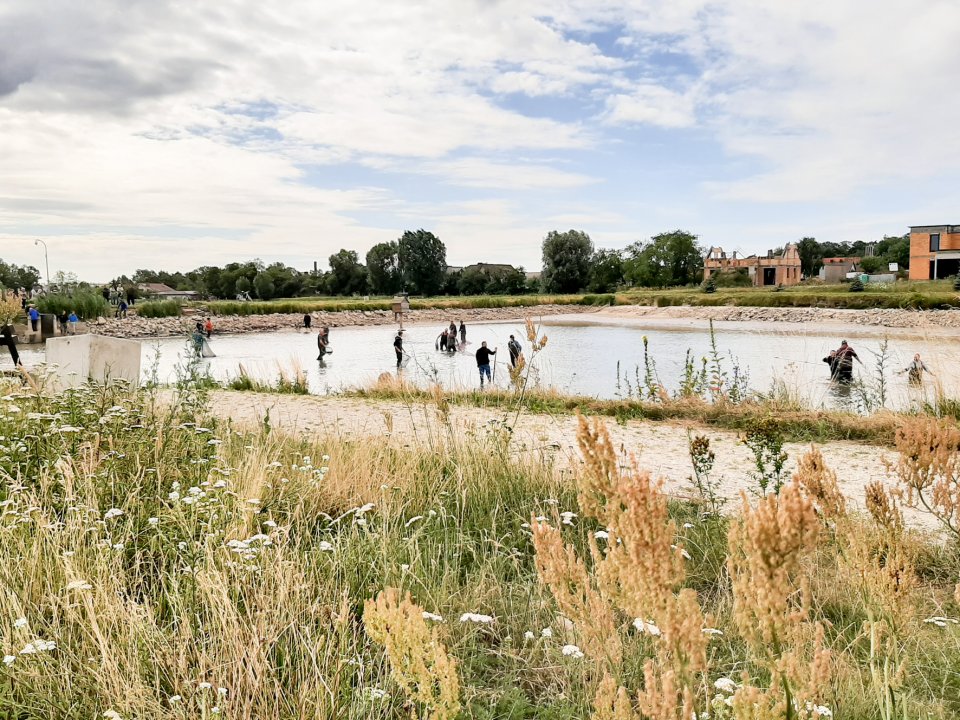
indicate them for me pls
(585, 356)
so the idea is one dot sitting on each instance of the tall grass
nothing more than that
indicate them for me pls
(87, 305)
(159, 308)
(160, 563)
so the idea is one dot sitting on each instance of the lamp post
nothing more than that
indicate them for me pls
(46, 257)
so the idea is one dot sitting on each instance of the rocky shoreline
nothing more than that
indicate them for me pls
(137, 327)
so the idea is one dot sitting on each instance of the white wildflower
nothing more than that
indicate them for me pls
(174, 699)
(20, 622)
(9, 659)
(112, 715)
(528, 635)
(566, 517)
(412, 520)
(324, 546)
(476, 618)
(572, 651)
(646, 627)
(726, 685)
(601, 535)
(204, 686)
(153, 521)
(432, 616)
(546, 632)
(711, 631)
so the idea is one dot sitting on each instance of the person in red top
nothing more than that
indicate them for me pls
(209, 327)
(845, 357)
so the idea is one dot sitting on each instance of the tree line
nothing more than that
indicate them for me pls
(417, 263)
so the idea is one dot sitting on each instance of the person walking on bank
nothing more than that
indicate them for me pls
(515, 351)
(307, 320)
(62, 320)
(34, 316)
(483, 362)
(845, 357)
(74, 321)
(398, 347)
(915, 370)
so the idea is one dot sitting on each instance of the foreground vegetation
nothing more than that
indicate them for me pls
(159, 563)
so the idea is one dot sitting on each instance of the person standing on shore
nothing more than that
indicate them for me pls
(62, 320)
(307, 320)
(398, 347)
(34, 316)
(74, 321)
(208, 326)
(483, 362)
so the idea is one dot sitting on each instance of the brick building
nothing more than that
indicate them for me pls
(835, 269)
(934, 251)
(781, 269)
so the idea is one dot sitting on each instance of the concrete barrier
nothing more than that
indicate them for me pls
(78, 358)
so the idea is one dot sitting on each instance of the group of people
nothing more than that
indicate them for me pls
(201, 333)
(447, 340)
(841, 365)
(68, 322)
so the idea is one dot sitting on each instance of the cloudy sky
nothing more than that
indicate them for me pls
(151, 133)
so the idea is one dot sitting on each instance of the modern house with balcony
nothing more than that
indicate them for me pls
(934, 251)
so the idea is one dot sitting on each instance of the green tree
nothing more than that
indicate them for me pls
(811, 256)
(242, 285)
(347, 276)
(383, 268)
(566, 261)
(606, 271)
(423, 261)
(873, 264)
(668, 259)
(895, 249)
(264, 286)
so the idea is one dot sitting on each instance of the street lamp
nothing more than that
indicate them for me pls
(46, 258)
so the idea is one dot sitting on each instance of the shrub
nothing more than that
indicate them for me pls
(87, 305)
(857, 285)
(159, 308)
(709, 285)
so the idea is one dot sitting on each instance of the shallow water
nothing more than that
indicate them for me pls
(583, 356)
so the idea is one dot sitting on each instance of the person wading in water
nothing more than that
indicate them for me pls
(845, 357)
(398, 347)
(483, 362)
(915, 370)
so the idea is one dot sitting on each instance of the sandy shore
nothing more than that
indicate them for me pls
(798, 320)
(659, 447)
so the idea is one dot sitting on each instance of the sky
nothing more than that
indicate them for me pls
(169, 135)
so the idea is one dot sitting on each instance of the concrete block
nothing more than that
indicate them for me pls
(79, 358)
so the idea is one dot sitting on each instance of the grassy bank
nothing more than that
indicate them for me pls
(904, 295)
(795, 424)
(158, 563)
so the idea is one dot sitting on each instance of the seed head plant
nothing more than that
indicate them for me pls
(419, 662)
(929, 468)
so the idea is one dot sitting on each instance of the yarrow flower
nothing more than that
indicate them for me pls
(566, 517)
(476, 618)
(20, 623)
(572, 651)
(725, 684)
(432, 616)
(601, 535)
(546, 632)
(646, 627)
(941, 621)
(112, 513)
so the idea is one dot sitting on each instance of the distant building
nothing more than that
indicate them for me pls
(782, 269)
(491, 268)
(835, 269)
(165, 292)
(934, 251)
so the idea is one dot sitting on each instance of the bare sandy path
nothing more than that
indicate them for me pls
(660, 447)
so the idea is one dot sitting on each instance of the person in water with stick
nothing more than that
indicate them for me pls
(398, 347)
(915, 370)
(483, 362)
(323, 341)
(845, 357)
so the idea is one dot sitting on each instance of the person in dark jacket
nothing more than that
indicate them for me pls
(483, 362)
(463, 333)
(831, 360)
(515, 350)
(398, 347)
